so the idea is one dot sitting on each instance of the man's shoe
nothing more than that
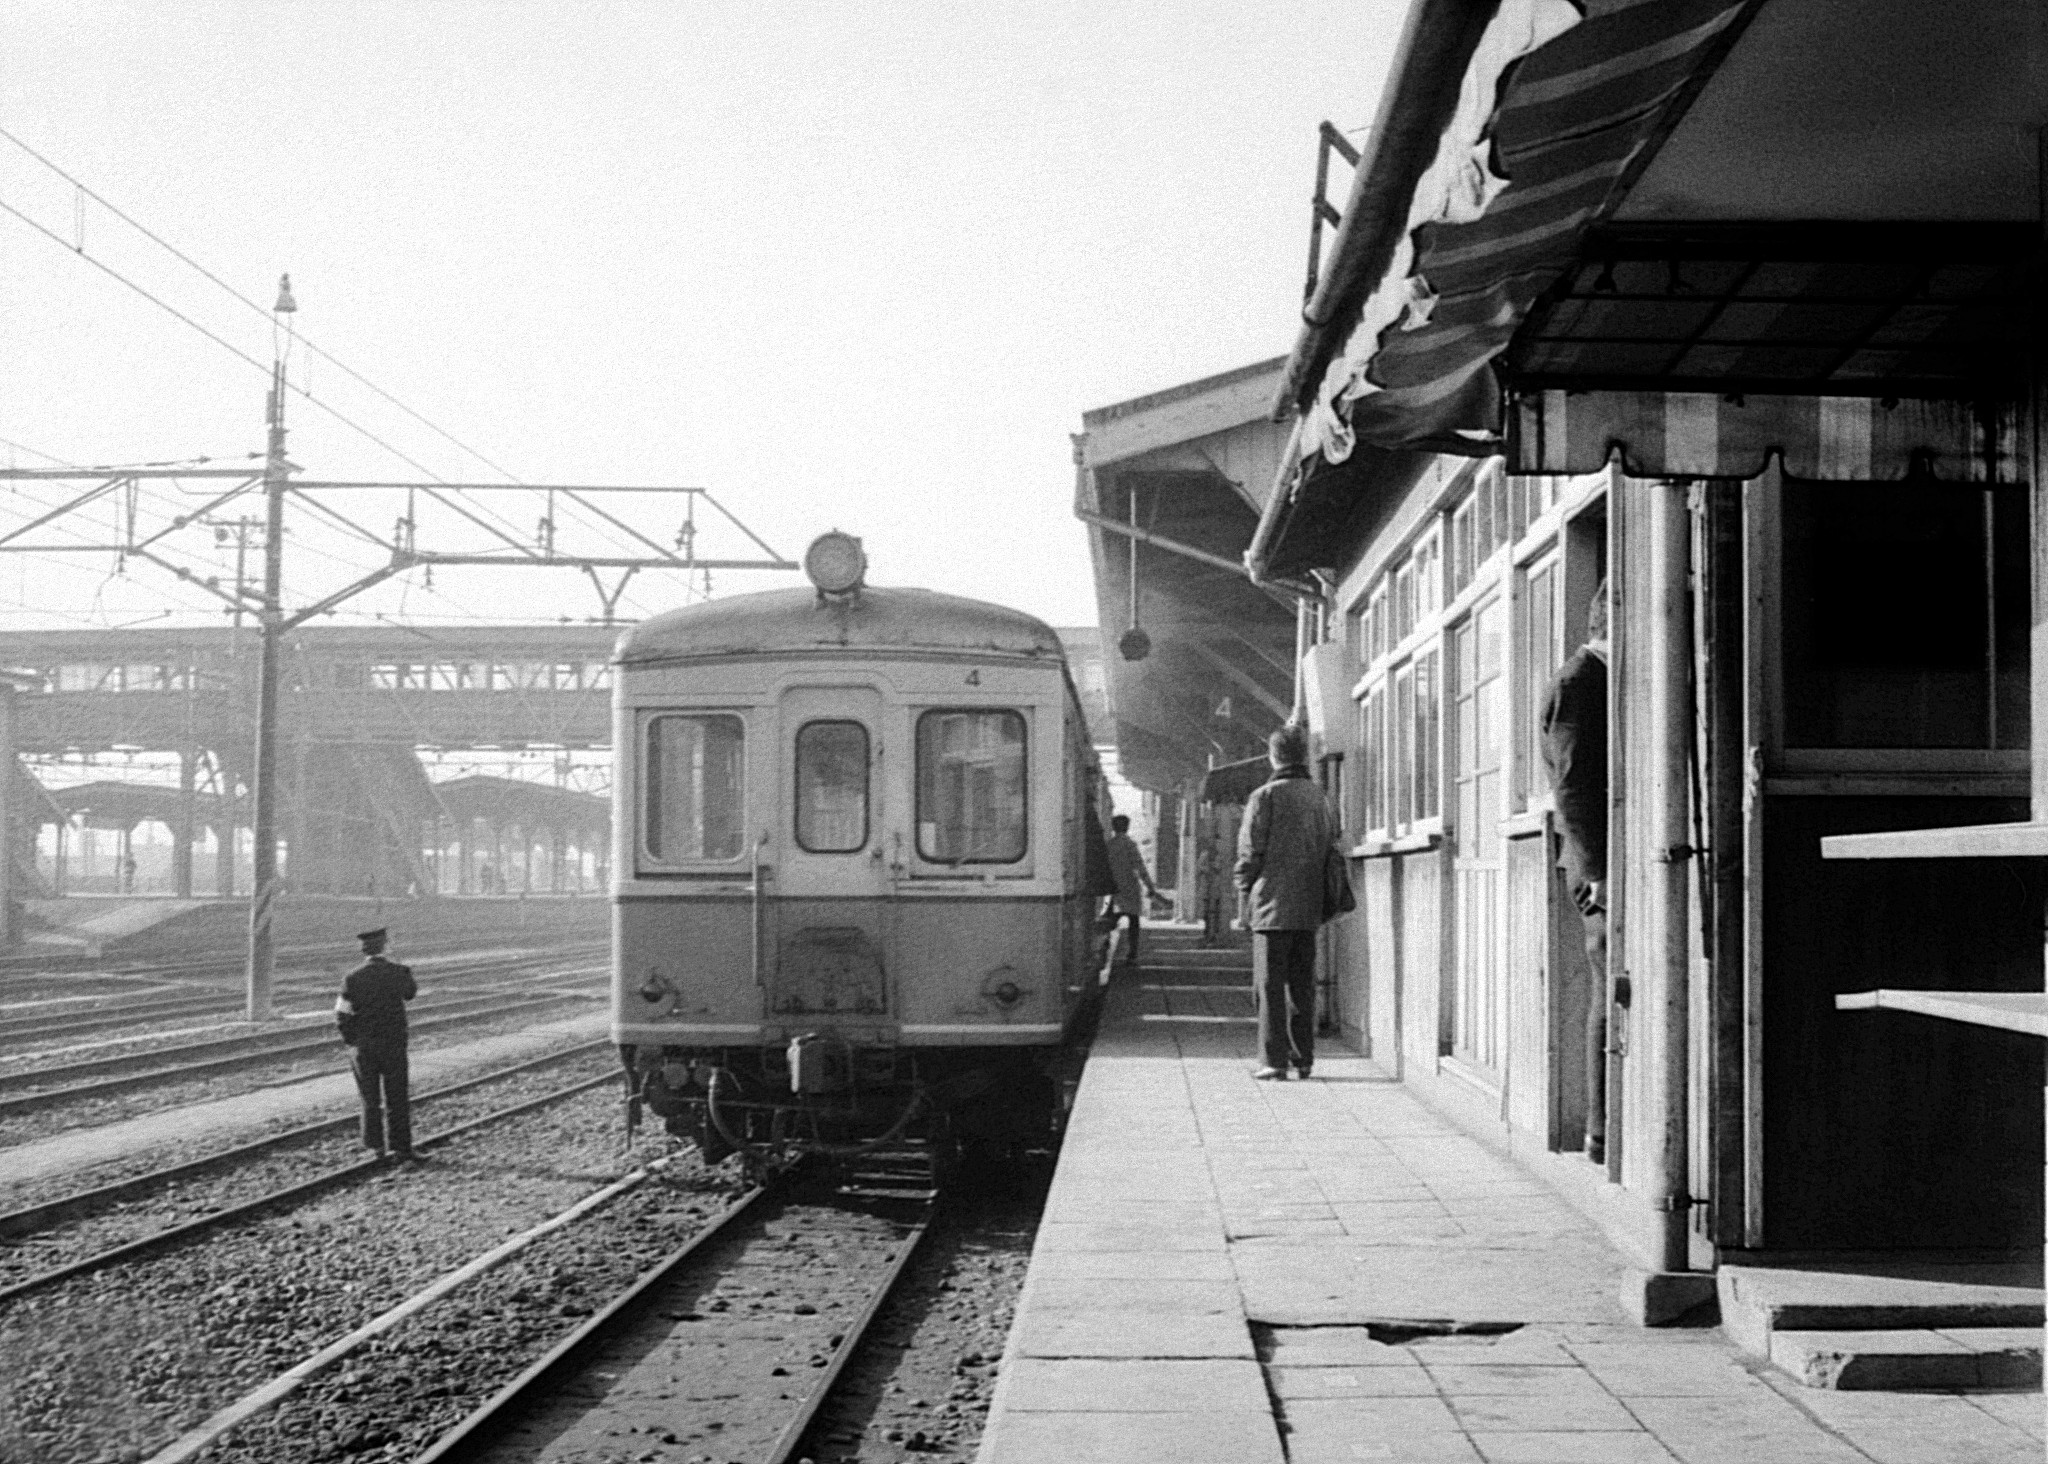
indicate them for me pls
(1271, 1075)
(1596, 1150)
(1303, 1069)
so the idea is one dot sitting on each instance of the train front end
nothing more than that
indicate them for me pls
(845, 904)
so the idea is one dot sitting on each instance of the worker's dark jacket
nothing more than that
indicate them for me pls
(1575, 755)
(371, 1012)
(1286, 834)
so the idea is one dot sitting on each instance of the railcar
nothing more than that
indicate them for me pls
(856, 866)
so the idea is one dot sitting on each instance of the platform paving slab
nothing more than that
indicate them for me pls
(1308, 1235)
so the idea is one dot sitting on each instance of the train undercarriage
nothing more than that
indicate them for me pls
(819, 1095)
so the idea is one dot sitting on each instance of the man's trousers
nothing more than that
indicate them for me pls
(1593, 920)
(1284, 975)
(384, 1081)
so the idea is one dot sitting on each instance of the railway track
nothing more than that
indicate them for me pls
(622, 1371)
(87, 1014)
(759, 1309)
(30, 1219)
(136, 1071)
(280, 1196)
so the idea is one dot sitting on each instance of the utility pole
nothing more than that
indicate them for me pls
(276, 481)
(263, 876)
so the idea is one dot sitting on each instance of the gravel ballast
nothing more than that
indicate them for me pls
(172, 1339)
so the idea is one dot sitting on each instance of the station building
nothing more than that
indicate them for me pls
(1731, 310)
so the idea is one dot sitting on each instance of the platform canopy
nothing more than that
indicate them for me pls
(111, 804)
(1693, 233)
(1170, 485)
(526, 804)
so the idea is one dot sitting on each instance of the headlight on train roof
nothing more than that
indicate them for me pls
(836, 563)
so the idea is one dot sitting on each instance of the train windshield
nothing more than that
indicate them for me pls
(970, 787)
(832, 787)
(695, 784)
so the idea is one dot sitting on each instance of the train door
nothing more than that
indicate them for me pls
(829, 906)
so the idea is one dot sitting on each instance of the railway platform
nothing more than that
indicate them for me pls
(1236, 1272)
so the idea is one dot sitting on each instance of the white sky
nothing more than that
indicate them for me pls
(844, 265)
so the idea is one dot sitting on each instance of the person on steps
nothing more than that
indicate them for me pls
(1127, 868)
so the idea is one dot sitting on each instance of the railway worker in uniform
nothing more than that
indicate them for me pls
(1283, 846)
(1127, 868)
(1574, 729)
(371, 1014)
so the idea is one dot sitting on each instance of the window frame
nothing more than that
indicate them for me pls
(645, 858)
(867, 784)
(1879, 771)
(928, 862)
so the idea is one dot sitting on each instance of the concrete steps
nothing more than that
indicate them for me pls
(1956, 1358)
(1889, 1326)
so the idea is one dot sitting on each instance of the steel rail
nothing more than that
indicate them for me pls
(798, 1429)
(451, 989)
(304, 1189)
(274, 1040)
(468, 1439)
(186, 1004)
(196, 983)
(85, 1024)
(128, 1082)
(16, 968)
(31, 1218)
(114, 1010)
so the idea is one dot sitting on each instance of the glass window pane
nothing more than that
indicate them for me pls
(970, 787)
(832, 787)
(695, 785)
(1886, 611)
(1428, 728)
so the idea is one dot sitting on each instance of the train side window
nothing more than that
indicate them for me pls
(831, 787)
(695, 786)
(971, 787)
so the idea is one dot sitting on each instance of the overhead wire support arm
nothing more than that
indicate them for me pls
(598, 561)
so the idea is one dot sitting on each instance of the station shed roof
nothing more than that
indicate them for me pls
(518, 801)
(1170, 485)
(112, 804)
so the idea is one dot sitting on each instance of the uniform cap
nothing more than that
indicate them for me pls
(369, 935)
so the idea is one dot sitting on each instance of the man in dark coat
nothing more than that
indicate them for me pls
(1282, 846)
(371, 1015)
(1575, 755)
(1127, 869)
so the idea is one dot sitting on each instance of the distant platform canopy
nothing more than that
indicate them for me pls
(529, 805)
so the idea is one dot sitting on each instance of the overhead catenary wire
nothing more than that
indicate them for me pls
(509, 536)
(590, 516)
(84, 191)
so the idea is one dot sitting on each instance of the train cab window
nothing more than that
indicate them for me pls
(831, 787)
(971, 801)
(695, 783)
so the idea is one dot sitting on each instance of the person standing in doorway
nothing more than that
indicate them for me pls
(1575, 756)
(371, 1014)
(1283, 846)
(1127, 868)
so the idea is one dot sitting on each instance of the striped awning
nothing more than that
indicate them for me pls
(1556, 106)
(1823, 438)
